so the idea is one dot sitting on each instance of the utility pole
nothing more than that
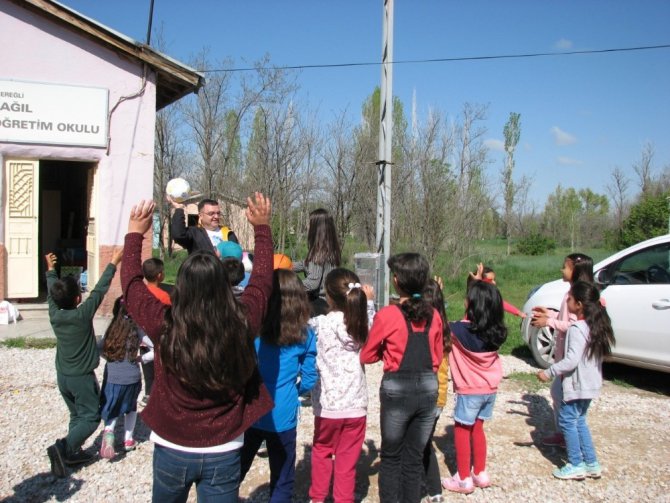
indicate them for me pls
(385, 152)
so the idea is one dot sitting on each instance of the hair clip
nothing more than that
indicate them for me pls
(416, 295)
(352, 286)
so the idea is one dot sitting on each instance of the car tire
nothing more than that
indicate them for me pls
(542, 345)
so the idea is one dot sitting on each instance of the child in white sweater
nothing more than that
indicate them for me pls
(340, 397)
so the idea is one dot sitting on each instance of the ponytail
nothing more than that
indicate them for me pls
(356, 313)
(601, 335)
(433, 295)
(344, 290)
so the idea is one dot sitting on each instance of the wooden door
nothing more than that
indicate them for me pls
(21, 228)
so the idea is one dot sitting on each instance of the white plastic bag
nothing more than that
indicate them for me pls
(8, 313)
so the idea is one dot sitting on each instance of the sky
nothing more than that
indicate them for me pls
(581, 115)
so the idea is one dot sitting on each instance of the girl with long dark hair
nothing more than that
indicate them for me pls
(588, 341)
(476, 371)
(576, 267)
(286, 352)
(207, 390)
(121, 383)
(323, 255)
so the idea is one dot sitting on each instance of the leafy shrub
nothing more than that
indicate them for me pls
(535, 244)
(648, 218)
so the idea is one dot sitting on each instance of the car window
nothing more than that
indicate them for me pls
(648, 266)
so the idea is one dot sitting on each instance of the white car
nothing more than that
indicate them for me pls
(635, 284)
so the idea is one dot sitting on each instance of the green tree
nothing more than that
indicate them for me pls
(512, 132)
(648, 218)
(366, 147)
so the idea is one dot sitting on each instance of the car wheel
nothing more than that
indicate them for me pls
(542, 345)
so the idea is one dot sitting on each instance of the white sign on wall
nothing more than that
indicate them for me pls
(53, 114)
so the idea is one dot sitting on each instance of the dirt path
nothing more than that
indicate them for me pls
(630, 429)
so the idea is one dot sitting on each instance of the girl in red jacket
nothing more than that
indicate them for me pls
(408, 338)
(476, 371)
(207, 390)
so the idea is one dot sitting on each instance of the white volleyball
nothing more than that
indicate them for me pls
(178, 189)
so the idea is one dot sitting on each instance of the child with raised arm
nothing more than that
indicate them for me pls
(77, 357)
(208, 390)
(485, 273)
(588, 341)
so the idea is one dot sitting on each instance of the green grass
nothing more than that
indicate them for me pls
(30, 343)
(516, 275)
(172, 264)
(530, 382)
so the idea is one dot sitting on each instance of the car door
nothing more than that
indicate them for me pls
(638, 302)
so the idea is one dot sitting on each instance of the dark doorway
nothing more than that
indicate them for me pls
(64, 211)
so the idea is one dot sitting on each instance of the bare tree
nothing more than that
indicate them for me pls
(436, 184)
(341, 175)
(644, 169)
(473, 200)
(169, 162)
(524, 209)
(217, 117)
(278, 159)
(617, 188)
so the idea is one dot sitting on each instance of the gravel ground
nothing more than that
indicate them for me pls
(629, 427)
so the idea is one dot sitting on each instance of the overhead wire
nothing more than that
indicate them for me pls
(441, 60)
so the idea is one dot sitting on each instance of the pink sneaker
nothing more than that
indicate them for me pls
(455, 484)
(129, 445)
(482, 480)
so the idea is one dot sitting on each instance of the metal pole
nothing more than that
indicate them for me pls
(151, 20)
(385, 152)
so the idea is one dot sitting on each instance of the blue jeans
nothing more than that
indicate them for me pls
(281, 453)
(407, 417)
(578, 442)
(469, 408)
(216, 476)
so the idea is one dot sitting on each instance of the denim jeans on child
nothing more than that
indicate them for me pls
(407, 416)
(216, 475)
(578, 442)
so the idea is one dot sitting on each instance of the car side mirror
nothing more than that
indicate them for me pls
(602, 278)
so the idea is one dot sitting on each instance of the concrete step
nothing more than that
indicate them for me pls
(33, 310)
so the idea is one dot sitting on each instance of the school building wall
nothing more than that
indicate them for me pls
(37, 50)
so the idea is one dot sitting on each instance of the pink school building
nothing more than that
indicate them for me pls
(78, 104)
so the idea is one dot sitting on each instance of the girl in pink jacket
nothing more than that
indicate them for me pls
(476, 371)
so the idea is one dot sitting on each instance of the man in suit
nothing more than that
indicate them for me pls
(207, 234)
